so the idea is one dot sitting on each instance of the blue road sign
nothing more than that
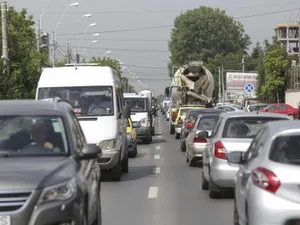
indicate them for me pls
(249, 88)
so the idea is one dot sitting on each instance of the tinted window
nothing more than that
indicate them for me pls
(137, 104)
(282, 107)
(272, 107)
(245, 127)
(286, 150)
(183, 112)
(207, 123)
(32, 135)
(77, 133)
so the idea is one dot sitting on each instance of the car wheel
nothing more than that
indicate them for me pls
(192, 162)
(235, 214)
(116, 173)
(213, 193)
(187, 158)
(125, 166)
(182, 146)
(177, 136)
(172, 129)
(204, 182)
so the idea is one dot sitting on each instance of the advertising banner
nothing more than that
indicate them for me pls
(238, 80)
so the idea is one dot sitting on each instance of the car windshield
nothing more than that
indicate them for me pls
(137, 104)
(94, 101)
(245, 127)
(207, 122)
(32, 135)
(286, 150)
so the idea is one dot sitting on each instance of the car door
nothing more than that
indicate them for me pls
(190, 137)
(272, 108)
(244, 173)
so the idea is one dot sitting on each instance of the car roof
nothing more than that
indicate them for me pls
(253, 114)
(207, 110)
(276, 127)
(33, 107)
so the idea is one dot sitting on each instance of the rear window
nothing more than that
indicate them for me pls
(245, 127)
(194, 114)
(183, 112)
(286, 150)
(207, 123)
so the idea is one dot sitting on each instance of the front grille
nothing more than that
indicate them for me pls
(12, 201)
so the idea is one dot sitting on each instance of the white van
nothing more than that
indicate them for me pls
(140, 115)
(96, 96)
(149, 95)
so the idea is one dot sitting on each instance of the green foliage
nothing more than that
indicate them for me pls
(106, 61)
(24, 60)
(204, 32)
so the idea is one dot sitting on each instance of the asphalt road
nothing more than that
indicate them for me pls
(161, 189)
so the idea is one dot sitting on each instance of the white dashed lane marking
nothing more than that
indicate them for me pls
(157, 147)
(156, 156)
(153, 191)
(156, 170)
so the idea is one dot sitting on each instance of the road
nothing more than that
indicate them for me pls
(161, 189)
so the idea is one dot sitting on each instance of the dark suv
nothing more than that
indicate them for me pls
(49, 175)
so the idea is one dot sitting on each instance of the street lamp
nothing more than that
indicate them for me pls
(75, 4)
(90, 25)
(92, 42)
(84, 16)
(108, 52)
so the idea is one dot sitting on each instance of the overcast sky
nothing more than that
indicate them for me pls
(146, 51)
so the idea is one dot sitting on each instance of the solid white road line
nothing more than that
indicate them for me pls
(156, 156)
(152, 192)
(156, 170)
(157, 147)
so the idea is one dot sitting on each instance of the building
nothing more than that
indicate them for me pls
(288, 36)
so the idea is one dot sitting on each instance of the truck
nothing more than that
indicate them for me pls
(151, 107)
(192, 85)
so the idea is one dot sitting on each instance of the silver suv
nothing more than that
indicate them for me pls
(232, 132)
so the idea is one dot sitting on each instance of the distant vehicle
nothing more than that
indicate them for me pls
(229, 108)
(49, 174)
(96, 95)
(268, 171)
(257, 107)
(131, 139)
(232, 132)
(188, 123)
(165, 106)
(282, 109)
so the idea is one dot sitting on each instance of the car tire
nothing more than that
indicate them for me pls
(182, 146)
(116, 173)
(192, 163)
(147, 140)
(187, 158)
(213, 193)
(134, 154)
(177, 136)
(235, 214)
(172, 129)
(205, 183)
(125, 166)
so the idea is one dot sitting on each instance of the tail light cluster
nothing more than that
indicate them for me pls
(265, 179)
(189, 125)
(200, 140)
(220, 150)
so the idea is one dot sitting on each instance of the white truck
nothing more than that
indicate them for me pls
(151, 108)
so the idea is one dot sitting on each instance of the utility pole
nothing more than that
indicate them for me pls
(68, 52)
(220, 93)
(299, 38)
(53, 49)
(38, 38)
(4, 39)
(223, 91)
(243, 63)
(77, 55)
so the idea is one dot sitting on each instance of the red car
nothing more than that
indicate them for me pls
(282, 109)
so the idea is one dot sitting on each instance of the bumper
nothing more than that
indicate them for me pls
(48, 213)
(222, 174)
(178, 130)
(269, 209)
(131, 144)
(143, 132)
(109, 159)
(196, 150)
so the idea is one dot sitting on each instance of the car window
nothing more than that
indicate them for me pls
(272, 107)
(207, 122)
(183, 112)
(286, 149)
(228, 109)
(216, 127)
(33, 135)
(245, 127)
(282, 107)
(77, 132)
(254, 146)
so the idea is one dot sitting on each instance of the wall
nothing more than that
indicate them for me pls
(292, 98)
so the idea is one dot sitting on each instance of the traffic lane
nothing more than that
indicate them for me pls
(180, 199)
(126, 202)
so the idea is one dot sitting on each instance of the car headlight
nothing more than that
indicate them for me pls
(108, 144)
(144, 122)
(129, 136)
(59, 192)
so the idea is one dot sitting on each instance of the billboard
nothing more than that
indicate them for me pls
(237, 80)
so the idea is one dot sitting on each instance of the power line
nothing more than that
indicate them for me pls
(111, 39)
(267, 13)
(155, 68)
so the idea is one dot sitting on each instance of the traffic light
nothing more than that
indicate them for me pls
(45, 41)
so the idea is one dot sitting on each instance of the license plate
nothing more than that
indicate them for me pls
(4, 220)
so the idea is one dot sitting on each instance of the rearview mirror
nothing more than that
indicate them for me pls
(235, 157)
(90, 151)
(202, 134)
(126, 112)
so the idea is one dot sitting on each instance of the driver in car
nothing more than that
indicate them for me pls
(100, 102)
(39, 135)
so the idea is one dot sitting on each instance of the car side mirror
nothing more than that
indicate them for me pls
(235, 157)
(202, 134)
(126, 112)
(136, 125)
(90, 151)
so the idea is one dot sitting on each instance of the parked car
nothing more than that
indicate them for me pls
(256, 107)
(189, 121)
(229, 108)
(232, 132)
(195, 145)
(267, 182)
(131, 139)
(282, 109)
(49, 174)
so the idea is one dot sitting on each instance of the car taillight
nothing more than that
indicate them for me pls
(220, 150)
(200, 140)
(265, 179)
(189, 125)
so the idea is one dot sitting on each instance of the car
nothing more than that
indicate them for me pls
(131, 139)
(195, 145)
(189, 121)
(267, 182)
(282, 109)
(229, 108)
(233, 131)
(49, 174)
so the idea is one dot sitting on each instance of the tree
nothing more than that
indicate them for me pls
(24, 59)
(204, 32)
(106, 61)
